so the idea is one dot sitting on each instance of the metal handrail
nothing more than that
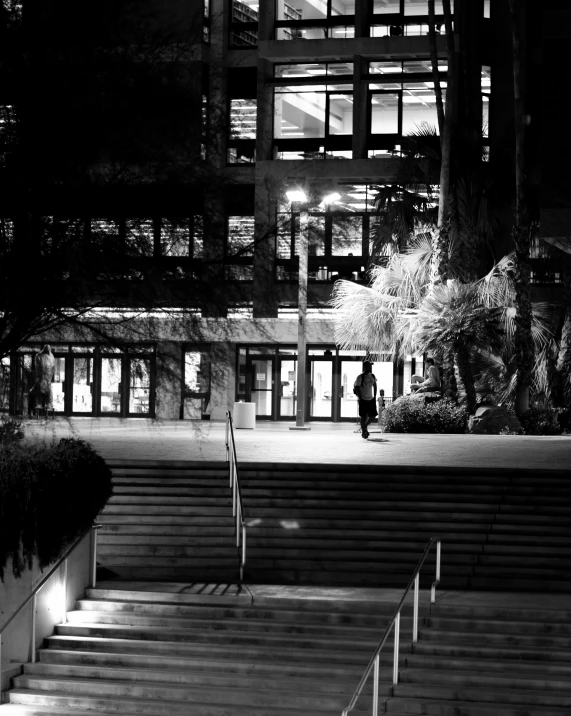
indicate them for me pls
(395, 620)
(63, 559)
(235, 488)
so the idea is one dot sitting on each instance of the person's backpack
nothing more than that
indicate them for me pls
(356, 387)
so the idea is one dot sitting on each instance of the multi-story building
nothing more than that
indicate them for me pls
(188, 177)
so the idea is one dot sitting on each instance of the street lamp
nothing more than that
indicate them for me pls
(300, 196)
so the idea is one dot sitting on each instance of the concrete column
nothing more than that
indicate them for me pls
(263, 293)
(169, 380)
(360, 108)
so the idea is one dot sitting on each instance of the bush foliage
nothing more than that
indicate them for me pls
(10, 430)
(49, 495)
(411, 415)
(540, 421)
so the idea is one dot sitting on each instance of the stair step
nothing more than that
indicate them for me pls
(495, 696)
(126, 705)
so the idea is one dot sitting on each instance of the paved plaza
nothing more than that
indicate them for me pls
(326, 443)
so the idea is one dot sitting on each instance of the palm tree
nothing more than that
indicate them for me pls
(453, 318)
(521, 232)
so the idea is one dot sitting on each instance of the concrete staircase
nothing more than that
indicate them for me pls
(480, 660)
(169, 521)
(130, 651)
(346, 525)
(126, 649)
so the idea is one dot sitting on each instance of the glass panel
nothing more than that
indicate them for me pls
(386, 7)
(5, 383)
(341, 113)
(243, 113)
(105, 234)
(175, 237)
(242, 375)
(347, 236)
(417, 7)
(111, 385)
(139, 237)
(262, 385)
(340, 68)
(303, 10)
(244, 11)
(316, 235)
(299, 114)
(487, 8)
(58, 385)
(485, 115)
(241, 235)
(300, 70)
(288, 398)
(385, 68)
(384, 114)
(320, 392)
(82, 383)
(486, 79)
(302, 33)
(197, 371)
(350, 369)
(79, 349)
(25, 383)
(139, 385)
(197, 237)
(284, 236)
(419, 107)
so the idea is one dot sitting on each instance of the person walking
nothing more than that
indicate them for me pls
(365, 389)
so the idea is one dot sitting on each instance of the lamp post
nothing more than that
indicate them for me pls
(300, 196)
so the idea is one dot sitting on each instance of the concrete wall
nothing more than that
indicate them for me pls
(51, 606)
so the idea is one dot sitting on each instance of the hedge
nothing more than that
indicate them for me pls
(410, 414)
(49, 496)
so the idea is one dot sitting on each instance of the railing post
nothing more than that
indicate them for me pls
(376, 687)
(227, 431)
(243, 544)
(234, 497)
(33, 630)
(64, 618)
(437, 580)
(415, 615)
(93, 558)
(238, 523)
(396, 652)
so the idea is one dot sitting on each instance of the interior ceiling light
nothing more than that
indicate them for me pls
(332, 197)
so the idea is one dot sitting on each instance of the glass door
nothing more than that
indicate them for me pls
(288, 396)
(110, 397)
(261, 372)
(82, 395)
(59, 384)
(139, 386)
(350, 369)
(320, 388)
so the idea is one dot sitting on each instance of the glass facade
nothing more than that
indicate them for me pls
(87, 380)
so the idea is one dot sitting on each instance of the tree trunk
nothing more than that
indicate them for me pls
(467, 378)
(449, 377)
(521, 234)
(440, 237)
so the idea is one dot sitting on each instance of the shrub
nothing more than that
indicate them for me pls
(540, 421)
(411, 415)
(10, 430)
(49, 495)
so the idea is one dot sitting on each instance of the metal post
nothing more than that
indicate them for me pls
(243, 544)
(33, 634)
(64, 619)
(93, 579)
(234, 495)
(437, 580)
(396, 653)
(415, 616)
(302, 315)
(238, 525)
(227, 431)
(376, 687)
